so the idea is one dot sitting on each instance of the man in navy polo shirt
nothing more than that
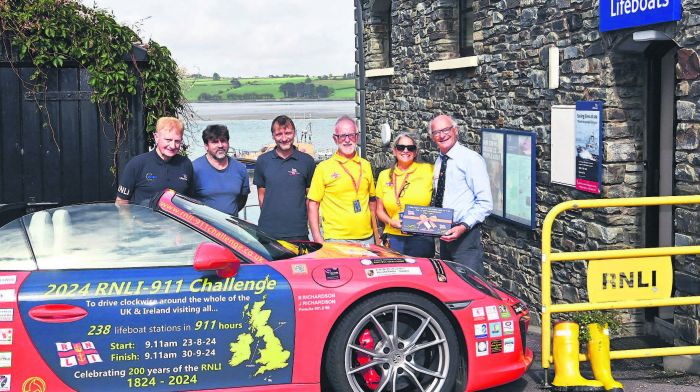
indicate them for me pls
(147, 174)
(283, 176)
(220, 181)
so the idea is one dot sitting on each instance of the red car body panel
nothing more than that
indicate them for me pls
(322, 297)
(313, 328)
(26, 364)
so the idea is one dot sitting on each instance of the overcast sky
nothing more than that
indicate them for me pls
(246, 38)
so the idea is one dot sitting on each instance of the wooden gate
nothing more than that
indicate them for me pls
(65, 155)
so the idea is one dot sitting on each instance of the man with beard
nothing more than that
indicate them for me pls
(343, 190)
(151, 172)
(221, 182)
(283, 177)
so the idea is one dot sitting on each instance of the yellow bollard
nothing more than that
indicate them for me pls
(567, 377)
(599, 355)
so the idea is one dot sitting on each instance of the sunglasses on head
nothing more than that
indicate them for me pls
(403, 147)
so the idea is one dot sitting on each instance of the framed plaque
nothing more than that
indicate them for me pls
(425, 220)
(510, 162)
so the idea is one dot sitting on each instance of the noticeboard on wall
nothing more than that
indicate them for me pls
(589, 132)
(510, 162)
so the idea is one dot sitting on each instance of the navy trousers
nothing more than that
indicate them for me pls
(466, 250)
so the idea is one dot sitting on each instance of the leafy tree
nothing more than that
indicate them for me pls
(324, 91)
(216, 76)
(235, 83)
(289, 90)
(48, 33)
(303, 90)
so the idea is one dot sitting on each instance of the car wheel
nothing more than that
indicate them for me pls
(393, 342)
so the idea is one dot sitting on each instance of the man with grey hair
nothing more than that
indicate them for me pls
(462, 183)
(342, 192)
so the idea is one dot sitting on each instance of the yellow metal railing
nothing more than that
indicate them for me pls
(548, 258)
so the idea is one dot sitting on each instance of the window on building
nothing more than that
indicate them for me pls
(466, 28)
(379, 25)
(387, 36)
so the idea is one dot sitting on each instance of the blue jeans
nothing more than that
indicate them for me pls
(412, 245)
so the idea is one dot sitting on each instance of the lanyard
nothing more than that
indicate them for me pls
(359, 180)
(397, 190)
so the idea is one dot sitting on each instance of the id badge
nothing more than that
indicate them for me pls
(356, 205)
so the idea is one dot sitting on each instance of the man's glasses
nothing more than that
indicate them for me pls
(404, 147)
(442, 131)
(349, 136)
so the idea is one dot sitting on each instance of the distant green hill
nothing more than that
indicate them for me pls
(205, 89)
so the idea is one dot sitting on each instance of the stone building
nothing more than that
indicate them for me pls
(507, 64)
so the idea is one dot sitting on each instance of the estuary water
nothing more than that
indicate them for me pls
(249, 128)
(249, 122)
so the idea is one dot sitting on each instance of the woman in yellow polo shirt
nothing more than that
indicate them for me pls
(406, 182)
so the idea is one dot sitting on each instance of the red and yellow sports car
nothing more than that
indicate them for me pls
(179, 297)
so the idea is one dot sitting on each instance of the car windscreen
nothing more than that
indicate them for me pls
(103, 235)
(244, 232)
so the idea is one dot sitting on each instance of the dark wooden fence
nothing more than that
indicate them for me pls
(65, 155)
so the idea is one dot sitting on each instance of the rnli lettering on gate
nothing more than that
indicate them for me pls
(611, 280)
(642, 278)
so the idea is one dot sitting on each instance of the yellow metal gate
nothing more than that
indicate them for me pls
(652, 287)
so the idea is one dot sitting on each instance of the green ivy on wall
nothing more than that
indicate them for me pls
(54, 33)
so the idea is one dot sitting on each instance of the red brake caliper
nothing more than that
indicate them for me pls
(370, 375)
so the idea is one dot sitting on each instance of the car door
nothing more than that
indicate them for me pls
(116, 304)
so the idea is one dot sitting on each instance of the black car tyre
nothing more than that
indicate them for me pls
(393, 342)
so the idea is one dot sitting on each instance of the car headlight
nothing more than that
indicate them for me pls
(472, 278)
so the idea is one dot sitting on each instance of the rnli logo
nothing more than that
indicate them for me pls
(335, 176)
(630, 279)
(293, 172)
(183, 177)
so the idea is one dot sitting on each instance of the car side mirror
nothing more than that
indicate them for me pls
(214, 257)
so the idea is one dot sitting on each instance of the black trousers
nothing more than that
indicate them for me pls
(466, 250)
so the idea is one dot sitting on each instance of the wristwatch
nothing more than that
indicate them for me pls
(466, 226)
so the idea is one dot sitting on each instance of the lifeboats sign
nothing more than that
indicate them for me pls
(612, 280)
(620, 14)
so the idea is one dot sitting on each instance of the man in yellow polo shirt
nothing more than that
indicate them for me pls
(343, 189)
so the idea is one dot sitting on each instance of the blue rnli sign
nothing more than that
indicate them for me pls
(621, 14)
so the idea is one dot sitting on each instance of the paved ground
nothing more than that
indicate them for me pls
(635, 374)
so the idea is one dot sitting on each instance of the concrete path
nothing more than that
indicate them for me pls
(635, 374)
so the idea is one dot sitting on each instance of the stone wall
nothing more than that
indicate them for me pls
(508, 89)
(687, 170)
